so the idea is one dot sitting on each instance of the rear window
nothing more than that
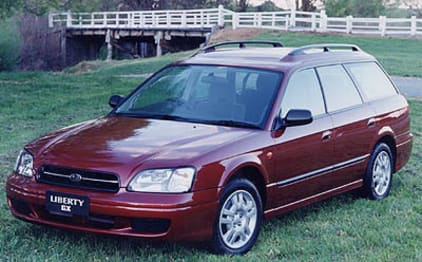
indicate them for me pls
(372, 80)
(339, 90)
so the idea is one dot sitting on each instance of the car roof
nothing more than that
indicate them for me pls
(276, 57)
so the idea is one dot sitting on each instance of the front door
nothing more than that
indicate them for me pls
(302, 153)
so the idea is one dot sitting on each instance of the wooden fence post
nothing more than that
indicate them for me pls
(293, 17)
(324, 21)
(50, 20)
(141, 20)
(168, 18)
(313, 23)
(349, 24)
(413, 25)
(184, 22)
(383, 25)
(68, 19)
(221, 16)
(201, 14)
(235, 20)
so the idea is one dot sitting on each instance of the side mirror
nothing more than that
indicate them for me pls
(115, 100)
(295, 117)
(298, 117)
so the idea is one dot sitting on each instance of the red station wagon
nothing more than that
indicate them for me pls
(209, 146)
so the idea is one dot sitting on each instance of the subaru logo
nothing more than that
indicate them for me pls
(75, 178)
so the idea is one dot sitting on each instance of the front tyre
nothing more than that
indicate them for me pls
(378, 178)
(239, 218)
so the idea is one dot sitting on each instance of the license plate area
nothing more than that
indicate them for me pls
(67, 204)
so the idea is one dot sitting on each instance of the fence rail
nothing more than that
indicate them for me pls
(207, 18)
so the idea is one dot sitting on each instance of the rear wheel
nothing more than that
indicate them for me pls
(378, 178)
(238, 219)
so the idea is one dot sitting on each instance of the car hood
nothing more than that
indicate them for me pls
(123, 145)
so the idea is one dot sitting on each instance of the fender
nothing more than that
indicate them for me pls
(233, 165)
(382, 132)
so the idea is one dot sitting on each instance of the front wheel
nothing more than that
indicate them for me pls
(239, 218)
(378, 178)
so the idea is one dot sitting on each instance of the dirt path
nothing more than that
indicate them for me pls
(410, 87)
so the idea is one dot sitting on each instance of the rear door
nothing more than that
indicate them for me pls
(353, 123)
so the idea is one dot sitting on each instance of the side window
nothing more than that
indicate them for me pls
(303, 92)
(372, 80)
(339, 90)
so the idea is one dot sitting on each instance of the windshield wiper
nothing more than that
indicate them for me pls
(232, 123)
(168, 117)
(184, 119)
(155, 116)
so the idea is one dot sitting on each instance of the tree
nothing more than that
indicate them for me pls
(307, 5)
(414, 7)
(242, 5)
(357, 8)
(267, 6)
(9, 7)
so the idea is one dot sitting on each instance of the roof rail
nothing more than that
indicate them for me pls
(325, 48)
(242, 44)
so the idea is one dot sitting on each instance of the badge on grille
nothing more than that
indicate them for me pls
(75, 178)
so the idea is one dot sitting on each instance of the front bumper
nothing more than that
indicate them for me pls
(188, 216)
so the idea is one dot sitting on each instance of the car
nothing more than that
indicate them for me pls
(210, 146)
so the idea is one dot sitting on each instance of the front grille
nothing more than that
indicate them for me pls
(78, 178)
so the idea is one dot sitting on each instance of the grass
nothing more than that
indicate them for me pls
(344, 228)
(399, 56)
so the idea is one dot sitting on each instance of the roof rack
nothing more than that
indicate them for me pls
(242, 44)
(325, 48)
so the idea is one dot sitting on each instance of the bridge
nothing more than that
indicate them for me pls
(136, 31)
(125, 30)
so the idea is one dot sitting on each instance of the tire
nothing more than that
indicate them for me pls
(238, 220)
(379, 173)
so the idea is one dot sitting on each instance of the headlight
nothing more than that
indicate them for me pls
(169, 180)
(24, 164)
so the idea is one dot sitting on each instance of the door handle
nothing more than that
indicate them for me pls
(326, 135)
(371, 122)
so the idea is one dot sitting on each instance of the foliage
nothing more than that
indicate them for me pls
(344, 228)
(308, 5)
(9, 7)
(9, 44)
(356, 8)
(267, 6)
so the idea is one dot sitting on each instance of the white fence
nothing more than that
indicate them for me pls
(206, 18)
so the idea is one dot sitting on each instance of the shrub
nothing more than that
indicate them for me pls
(9, 44)
(357, 8)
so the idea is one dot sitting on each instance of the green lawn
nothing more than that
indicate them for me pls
(399, 56)
(345, 228)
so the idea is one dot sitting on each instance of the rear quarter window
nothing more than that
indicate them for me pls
(372, 80)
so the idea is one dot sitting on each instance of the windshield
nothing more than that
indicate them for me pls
(206, 94)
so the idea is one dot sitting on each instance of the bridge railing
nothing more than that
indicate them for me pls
(135, 19)
(207, 18)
